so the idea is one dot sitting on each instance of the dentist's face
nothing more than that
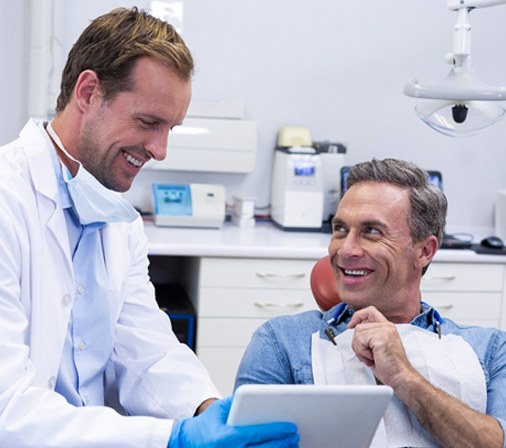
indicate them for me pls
(120, 135)
(372, 251)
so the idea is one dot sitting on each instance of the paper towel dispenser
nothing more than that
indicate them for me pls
(219, 145)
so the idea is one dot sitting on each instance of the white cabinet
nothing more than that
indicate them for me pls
(468, 293)
(235, 295)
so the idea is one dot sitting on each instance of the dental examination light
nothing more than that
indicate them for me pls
(462, 105)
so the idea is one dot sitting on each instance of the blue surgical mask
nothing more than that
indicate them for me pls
(92, 201)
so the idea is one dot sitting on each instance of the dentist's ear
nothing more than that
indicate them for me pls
(86, 90)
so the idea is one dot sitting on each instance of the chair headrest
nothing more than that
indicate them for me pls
(324, 284)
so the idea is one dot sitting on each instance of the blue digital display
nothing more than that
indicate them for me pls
(304, 169)
(172, 200)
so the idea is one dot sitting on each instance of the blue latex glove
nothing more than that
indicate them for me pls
(210, 430)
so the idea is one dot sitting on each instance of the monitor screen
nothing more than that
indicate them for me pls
(172, 200)
(436, 179)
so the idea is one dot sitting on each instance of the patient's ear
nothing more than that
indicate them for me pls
(428, 248)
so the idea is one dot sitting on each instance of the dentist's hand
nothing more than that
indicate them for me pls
(210, 430)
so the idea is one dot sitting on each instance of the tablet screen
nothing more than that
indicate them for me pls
(326, 416)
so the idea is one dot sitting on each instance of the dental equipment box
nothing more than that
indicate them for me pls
(212, 145)
(189, 205)
(297, 182)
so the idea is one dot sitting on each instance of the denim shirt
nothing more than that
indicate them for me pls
(280, 351)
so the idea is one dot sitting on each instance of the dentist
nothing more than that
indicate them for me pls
(87, 357)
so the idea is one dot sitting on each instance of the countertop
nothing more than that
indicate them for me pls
(265, 241)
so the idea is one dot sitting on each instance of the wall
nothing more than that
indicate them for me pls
(337, 68)
(14, 40)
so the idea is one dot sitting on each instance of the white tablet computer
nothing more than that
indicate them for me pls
(326, 416)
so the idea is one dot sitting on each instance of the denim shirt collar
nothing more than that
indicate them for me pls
(341, 314)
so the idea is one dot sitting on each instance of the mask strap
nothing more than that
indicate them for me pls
(58, 143)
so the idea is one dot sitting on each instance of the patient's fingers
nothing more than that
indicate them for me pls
(369, 314)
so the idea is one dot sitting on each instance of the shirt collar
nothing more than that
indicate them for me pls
(341, 314)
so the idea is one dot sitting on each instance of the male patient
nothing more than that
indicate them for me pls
(449, 380)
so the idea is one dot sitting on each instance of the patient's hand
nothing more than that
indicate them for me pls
(378, 345)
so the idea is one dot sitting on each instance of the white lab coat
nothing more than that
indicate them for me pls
(157, 379)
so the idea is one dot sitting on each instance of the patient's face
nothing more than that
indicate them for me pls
(374, 257)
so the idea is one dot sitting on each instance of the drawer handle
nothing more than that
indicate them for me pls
(279, 305)
(442, 278)
(287, 276)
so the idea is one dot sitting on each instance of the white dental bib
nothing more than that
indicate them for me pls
(448, 363)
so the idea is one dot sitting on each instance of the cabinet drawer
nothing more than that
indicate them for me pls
(216, 332)
(255, 273)
(467, 307)
(251, 303)
(463, 277)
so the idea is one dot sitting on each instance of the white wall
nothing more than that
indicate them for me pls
(337, 68)
(14, 40)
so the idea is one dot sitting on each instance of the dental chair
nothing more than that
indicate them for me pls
(324, 284)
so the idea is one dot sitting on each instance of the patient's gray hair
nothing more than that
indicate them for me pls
(428, 202)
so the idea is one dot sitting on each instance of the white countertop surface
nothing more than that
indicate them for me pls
(265, 241)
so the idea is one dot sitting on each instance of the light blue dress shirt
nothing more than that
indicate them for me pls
(89, 340)
(280, 351)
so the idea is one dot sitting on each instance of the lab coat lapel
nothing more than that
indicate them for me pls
(52, 273)
(50, 211)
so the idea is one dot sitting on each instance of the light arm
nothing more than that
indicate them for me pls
(472, 4)
(460, 91)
